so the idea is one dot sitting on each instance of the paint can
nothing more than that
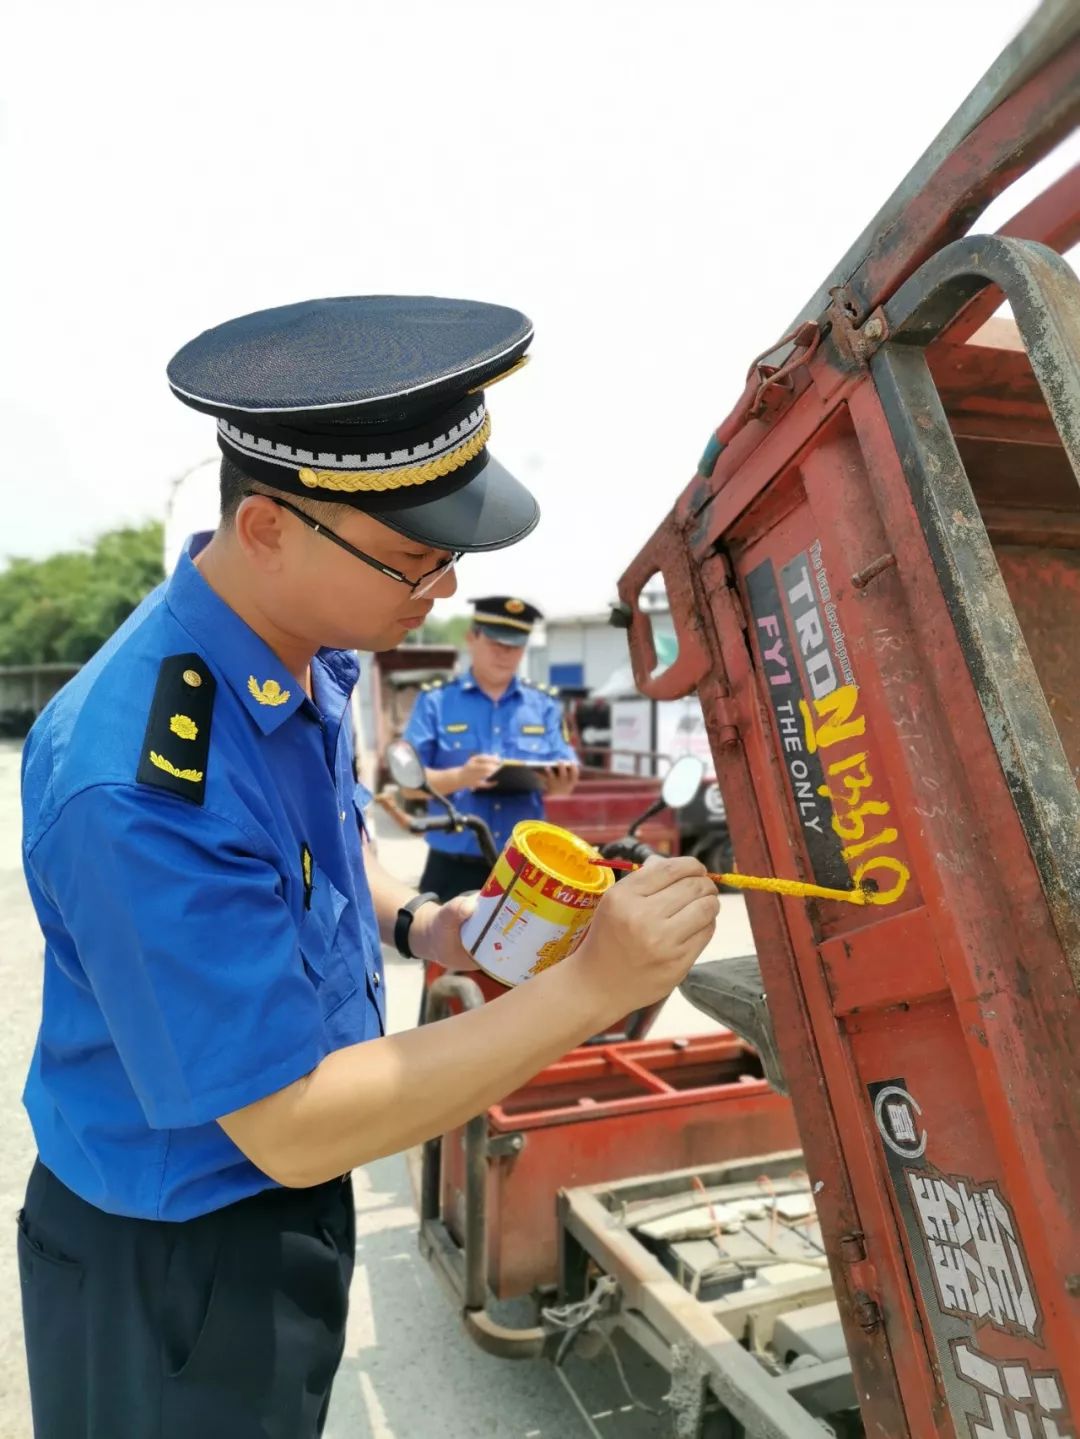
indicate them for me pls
(537, 903)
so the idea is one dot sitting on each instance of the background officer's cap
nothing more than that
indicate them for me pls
(505, 618)
(375, 401)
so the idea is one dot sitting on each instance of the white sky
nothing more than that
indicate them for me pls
(659, 185)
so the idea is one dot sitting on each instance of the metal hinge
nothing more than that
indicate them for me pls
(852, 1247)
(729, 596)
(867, 1312)
(505, 1146)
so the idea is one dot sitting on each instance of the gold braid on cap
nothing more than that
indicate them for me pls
(483, 618)
(352, 481)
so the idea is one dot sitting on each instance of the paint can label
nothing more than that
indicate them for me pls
(537, 903)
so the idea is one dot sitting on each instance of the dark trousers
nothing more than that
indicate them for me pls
(229, 1326)
(449, 875)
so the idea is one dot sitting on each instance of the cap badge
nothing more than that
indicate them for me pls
(269, 693)
(515, 607)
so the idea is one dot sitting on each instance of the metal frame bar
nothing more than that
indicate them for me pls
(1052, 218)
(942, 166)
(1045, 297)
(682, 1332)
(464, 1270)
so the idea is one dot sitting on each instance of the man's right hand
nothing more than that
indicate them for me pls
(646, 934)
(476, 772)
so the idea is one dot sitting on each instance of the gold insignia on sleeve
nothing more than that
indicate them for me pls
(193, 776)
(307, 867)
(184, 726)
(269, 693)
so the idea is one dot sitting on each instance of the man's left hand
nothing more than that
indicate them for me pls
(435, 936)
(560, 779)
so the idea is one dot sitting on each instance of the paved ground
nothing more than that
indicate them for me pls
(409, 1372)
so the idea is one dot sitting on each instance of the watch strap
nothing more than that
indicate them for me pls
(403, 923)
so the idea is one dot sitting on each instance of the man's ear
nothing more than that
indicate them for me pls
(260, 531)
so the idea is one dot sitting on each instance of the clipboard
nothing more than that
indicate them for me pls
(517, 776)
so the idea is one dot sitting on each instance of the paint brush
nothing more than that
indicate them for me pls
(793, 887)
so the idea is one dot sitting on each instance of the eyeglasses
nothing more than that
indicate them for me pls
(422, 586)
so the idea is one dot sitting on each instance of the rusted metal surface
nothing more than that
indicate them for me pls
(885, 583)
(463, 1268)
(686, 1335)
(1053, 219)
(1044, 588)
(766, 390)
(748, 771)
(666, 556)
(1046, 302)
(601, 1114)
(804, 342)
(872, 570)
(1027, 126)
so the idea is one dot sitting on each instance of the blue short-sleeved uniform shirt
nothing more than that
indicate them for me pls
(209, 938)
(452, 721)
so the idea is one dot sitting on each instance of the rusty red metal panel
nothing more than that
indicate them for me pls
(917, 1032)
(1044, 587)
(608, 1114)
(878, 580)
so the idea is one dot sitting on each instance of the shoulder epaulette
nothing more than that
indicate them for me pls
(432, 685)
(177, 741)
(543, 688)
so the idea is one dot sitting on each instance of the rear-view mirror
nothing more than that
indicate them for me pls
(682, 782)
(404, 765)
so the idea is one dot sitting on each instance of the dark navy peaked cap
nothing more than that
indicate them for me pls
(505, 618)
(375, 401)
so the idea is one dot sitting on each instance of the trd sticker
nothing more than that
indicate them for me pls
(787, 697)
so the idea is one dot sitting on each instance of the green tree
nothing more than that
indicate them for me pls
(64, 607)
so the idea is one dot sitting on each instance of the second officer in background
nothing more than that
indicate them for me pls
(466, 728)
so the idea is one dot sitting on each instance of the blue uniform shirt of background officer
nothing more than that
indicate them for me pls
(467, 728)
(210, 1059)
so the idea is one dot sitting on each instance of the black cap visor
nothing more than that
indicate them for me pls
(488, 510)
(503, 634)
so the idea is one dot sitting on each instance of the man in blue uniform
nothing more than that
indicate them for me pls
(211, 1059)
(465, 730)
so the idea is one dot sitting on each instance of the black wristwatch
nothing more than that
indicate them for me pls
(403, 923)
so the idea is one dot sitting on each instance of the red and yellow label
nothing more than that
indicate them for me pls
(537, 903)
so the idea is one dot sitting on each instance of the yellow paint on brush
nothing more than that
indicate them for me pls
(796, 888)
